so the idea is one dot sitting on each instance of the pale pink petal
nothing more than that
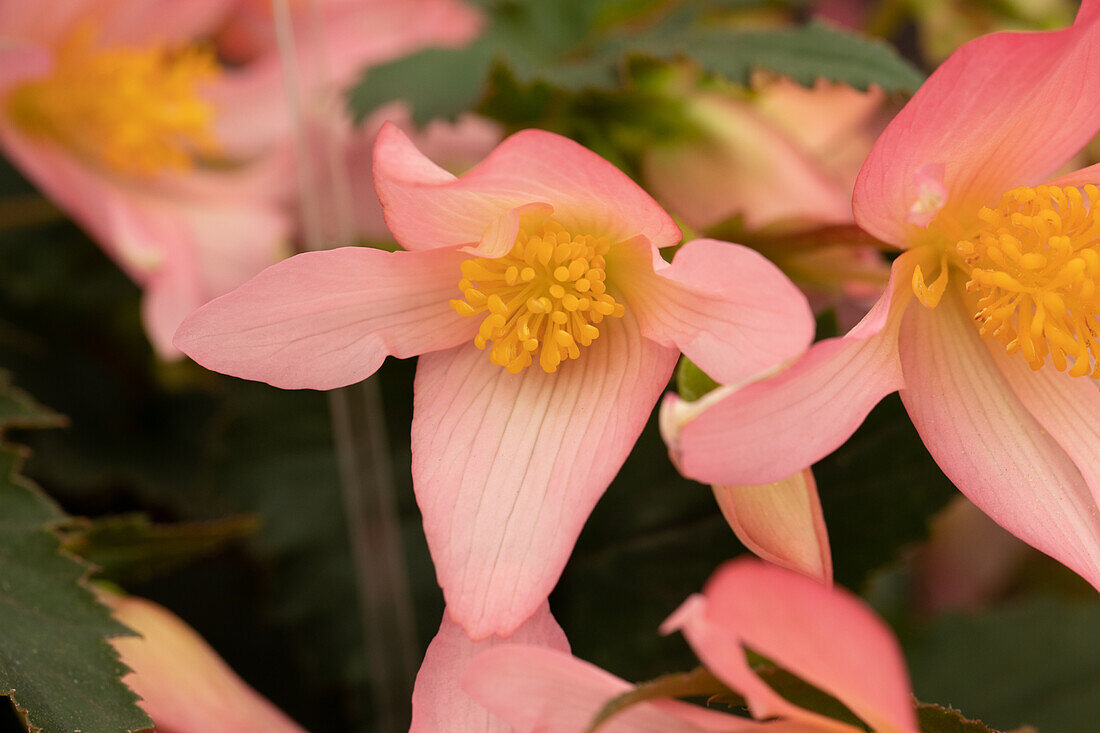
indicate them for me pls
(42, 22)
(771, 428)
(990, 445)
(184, 685)
(823, 634)
(1004, 110)
(457, 146)
(1079, 178)
(141, 22)
(781, 523)
(425, 206)
(538, 690)
(507, 467)
(20, 60)
(728, 308)
(743, 166)
(328, 319)
(438, 703)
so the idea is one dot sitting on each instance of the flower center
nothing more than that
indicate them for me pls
(134, 110)
(545, 296)
(1035, 267)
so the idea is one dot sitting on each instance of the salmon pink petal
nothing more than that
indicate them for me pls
(1004, 110)
(322, 320)
(20, 60)
(140, 22)
(1079, 178)
(988, 443)
(539, 690)
(771, 428)
(185, 687)
(781, 523)
(507, 467)
(438, 703)
(823, 634)
(728, 308)
(427, 207)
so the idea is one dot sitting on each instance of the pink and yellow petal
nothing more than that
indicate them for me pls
(781, 522)
(507, 467)
(328, 319)
(185, 687)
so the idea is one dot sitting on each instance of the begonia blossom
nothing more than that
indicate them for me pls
(824, 635)
(989, 324)
(547, 325)
(175, 163)
(184, 686)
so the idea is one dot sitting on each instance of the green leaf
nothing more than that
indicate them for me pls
(130, 547)
(937, 719)
(19, 410)
(436, 82)
(805, 695)
(55, 662)
(805, 54)
(1034, 662)
(699, 682)
(691, 381)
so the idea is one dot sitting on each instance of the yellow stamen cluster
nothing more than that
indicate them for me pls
(1035, 265)
(546, 295)
(134, 110)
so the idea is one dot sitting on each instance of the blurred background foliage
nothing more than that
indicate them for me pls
(220, 498)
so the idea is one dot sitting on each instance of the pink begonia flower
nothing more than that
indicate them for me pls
(989, 325)
(548, 325)
(184, 686)
(781, 522)
(110, 127)
(439, 704)
(750, 151)
(824, 635)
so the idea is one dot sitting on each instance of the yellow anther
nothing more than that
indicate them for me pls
(544, 296)
(133, 110)
(1034, 267)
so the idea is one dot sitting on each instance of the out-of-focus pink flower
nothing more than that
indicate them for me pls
(775, 162)
(996, 360)
(967, 561)
(112, 124)
(185, 687)
(535, 381)
(824, 635)
(439, 705)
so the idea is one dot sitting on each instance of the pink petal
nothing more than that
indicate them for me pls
(322, 320)
(141, 22)
(184, 685)
(507, 467)
(771, 428)
(1081, 177)
(1004, 110)
(823, 634)
(438, 703)
(727, 307)
(538, 690)
(20, 60)
(781, 523)
(988, 443)
(427, 207)
(743, 166)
